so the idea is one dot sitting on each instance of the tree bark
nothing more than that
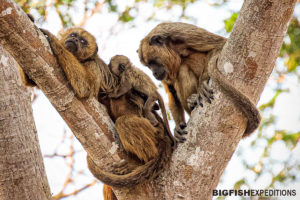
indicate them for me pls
(214, 131)
(22, 171)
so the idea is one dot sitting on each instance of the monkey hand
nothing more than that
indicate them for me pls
(205, 92)
(180, 133)
(53, 41)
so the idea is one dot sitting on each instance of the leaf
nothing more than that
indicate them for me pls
(229, 23)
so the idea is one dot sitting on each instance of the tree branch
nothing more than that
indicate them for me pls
(87, 119)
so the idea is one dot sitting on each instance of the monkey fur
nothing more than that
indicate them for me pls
(180, 54)
(132, 77)
(151, 147)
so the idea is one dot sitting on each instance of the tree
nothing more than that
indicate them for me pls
(250, 54)
(22, 172)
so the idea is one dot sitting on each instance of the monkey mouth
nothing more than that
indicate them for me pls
(71, 46)
(161, 76)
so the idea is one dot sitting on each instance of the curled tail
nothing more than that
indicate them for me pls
(245, 104)
(140, 138)
(140, 174)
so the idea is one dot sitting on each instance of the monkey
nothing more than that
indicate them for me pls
(179, 55)
(132, 77)
(76, 52)
(149, 147)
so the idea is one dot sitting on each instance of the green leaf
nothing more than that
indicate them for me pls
(229, 23)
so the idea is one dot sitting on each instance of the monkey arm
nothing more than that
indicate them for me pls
(73, 69)
(124, 87)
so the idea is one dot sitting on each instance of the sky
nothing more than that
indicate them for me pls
(112, 39)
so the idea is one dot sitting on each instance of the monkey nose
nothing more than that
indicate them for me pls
(71, 46)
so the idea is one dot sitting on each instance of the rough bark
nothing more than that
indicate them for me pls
(22, 171)
(214, 131)
(86, 118)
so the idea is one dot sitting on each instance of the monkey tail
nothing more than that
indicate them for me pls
(165, 118)
(245, 104)
(148, 171)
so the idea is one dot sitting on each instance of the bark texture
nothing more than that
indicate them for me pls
(22, 172)
(214, 131)
(87, 119)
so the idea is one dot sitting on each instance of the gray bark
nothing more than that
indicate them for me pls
(214, 131)
(22, 171)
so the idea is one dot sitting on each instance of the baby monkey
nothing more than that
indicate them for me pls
(133, 78)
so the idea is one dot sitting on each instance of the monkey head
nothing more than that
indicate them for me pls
(118, 64)
(162, 50)
(80, 43)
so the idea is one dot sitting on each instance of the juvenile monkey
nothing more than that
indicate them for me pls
(150, 147)
(180, 55)
(132, 77)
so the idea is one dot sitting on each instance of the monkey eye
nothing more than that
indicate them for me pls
(152, 62)
(73, 34)
(156, 40)
(83, 41)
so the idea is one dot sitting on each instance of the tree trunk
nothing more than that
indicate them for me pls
(214, 131)
(22, 171)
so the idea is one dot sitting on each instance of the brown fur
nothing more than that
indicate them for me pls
(25, 79)
(132, 77)
(178, 54)
(90, 76)
(108, 193)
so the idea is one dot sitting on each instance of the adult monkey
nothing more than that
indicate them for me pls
(184, 57)
(150, 147)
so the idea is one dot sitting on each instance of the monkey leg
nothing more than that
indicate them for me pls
(138, 136)
(148, 107)
(204, 92)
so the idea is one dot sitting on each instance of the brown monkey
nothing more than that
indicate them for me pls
(150, 147)
(132, 77)
(76, 52)
(179, 54)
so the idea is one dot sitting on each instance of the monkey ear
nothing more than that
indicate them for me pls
(156, 40)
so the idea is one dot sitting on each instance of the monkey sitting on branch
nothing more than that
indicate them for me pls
(150, 148)
(131, 77)
(184, 58)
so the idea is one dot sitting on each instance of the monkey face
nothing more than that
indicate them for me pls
(118, 64)
(156, 53)
(80, 43)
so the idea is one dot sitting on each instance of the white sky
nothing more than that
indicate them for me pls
(50, 126)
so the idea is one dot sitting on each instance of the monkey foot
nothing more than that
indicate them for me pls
(180, 133)
(204, 93)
